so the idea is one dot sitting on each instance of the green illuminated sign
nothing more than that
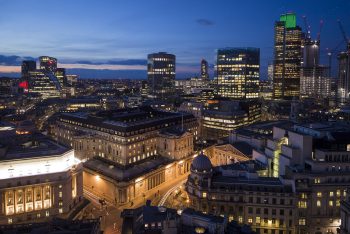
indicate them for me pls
(290, 20)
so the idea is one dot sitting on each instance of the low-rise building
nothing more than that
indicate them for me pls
(38, 179)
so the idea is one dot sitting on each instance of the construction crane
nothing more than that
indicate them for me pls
(319, 31)
(346, 39)
(307, 28)
(330, 53)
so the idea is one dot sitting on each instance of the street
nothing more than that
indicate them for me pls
(111, 222)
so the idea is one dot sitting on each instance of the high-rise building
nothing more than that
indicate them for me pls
(344, 75)
(204, 70)
(161, 74)
(27, 66)
(45, 84)
(48, 64)
(238, 72)
(314, 79)
(287, 58)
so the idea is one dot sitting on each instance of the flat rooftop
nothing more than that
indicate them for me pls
(31, 146)
(127, 119)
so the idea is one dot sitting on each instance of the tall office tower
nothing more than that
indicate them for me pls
(287, 58)
(314, 79)
(27, 66)
(204, 70)
(344, 75)
(60, 73)
(238, 72)
(161, 74)
(48, 64)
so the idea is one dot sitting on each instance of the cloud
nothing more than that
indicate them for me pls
(13, 60)
(205, 22)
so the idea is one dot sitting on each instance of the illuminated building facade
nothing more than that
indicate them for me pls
(48, 64)
(223, 117)
(161, 74)
(287, 57)
(314, 80)
(44, 84)
(204, 70)
(344, 75)
(38, 179)
(315, 159)
(60, 73)
(125, 136)
(238, 73)
(237, 191)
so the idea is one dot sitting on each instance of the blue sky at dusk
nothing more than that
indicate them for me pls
(118, 35)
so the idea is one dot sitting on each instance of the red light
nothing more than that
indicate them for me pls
(23, 84)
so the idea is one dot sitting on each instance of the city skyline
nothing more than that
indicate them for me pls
(108, 37)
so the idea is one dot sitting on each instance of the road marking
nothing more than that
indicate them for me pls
(167, 194)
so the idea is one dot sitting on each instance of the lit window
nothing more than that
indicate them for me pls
(318, 203)
(38, 215)
(317, 180)
(60, 210)
(250, 220)
(319, 194)
(302, 204)
(240, 219)
(337, 202)
(331, 194)
(302, 222)
(9, 221)
(338, 193)
(204, 195)
(330, 203)
(257, 220)
(60, 194)
(47, 213)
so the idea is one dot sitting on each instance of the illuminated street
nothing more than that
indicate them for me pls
(111, 221)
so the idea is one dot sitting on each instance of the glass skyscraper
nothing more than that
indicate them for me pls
(287, 58)
(161, 74)
(238, 72)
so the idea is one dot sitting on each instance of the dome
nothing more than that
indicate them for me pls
(201, 163)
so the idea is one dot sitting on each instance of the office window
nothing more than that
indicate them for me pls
(257, 220)
(318, 203)
(302, 222)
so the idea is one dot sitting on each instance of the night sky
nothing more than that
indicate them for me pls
(118, 35)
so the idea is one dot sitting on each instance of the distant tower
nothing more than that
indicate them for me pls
(287, 58)
(204, 70)
(27, 66)
(48, 64)
(161, 74)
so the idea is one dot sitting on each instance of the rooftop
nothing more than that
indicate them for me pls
(127, 119)
(124, 173)
(31, 146)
